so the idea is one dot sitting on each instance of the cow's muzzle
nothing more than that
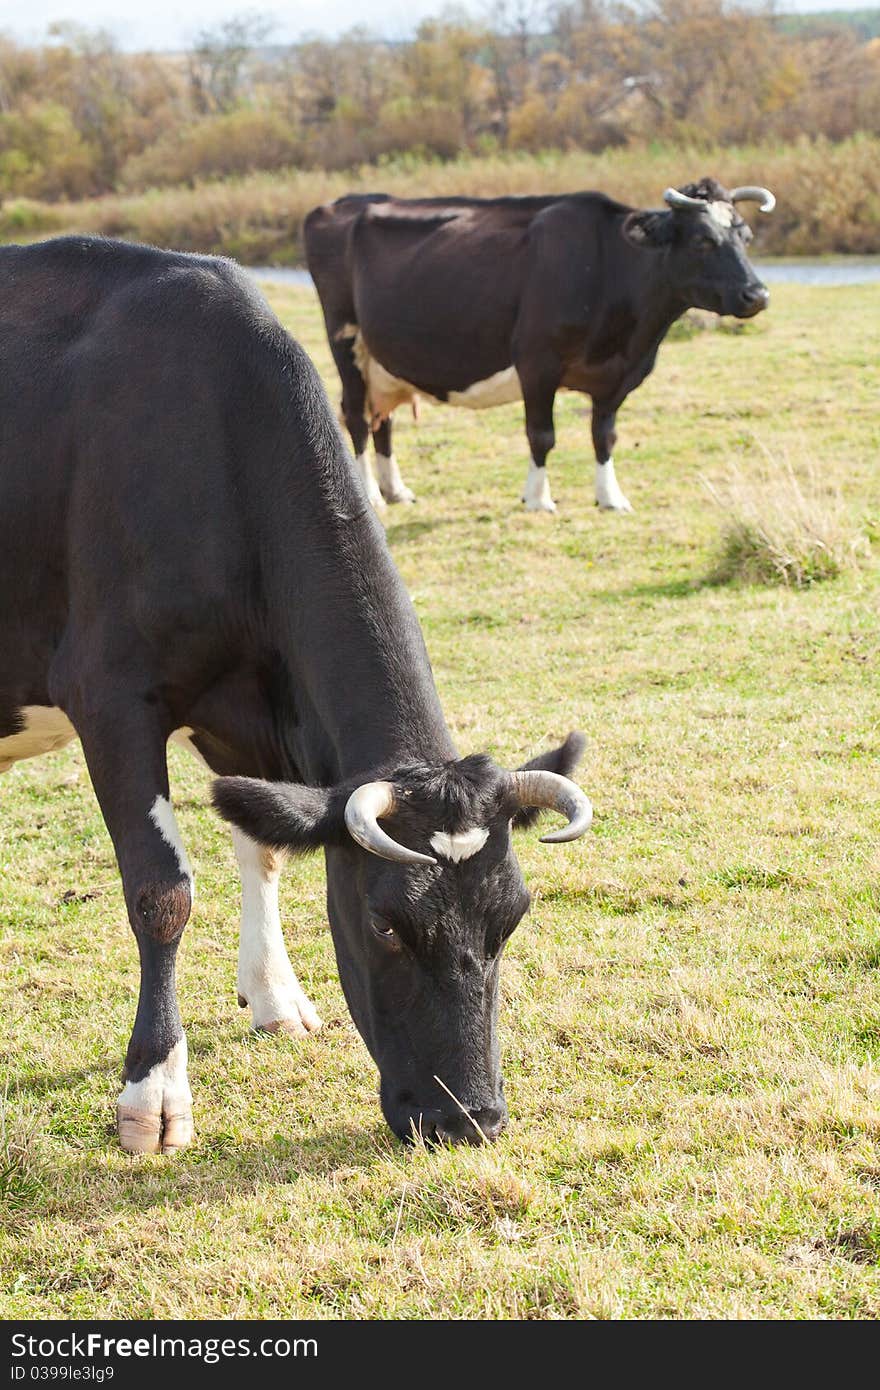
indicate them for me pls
(752, 300)
(473, 1126)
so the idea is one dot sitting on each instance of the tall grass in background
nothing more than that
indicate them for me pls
(829, 196)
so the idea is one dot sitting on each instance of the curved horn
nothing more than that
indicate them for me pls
(753, 193)
(555, 793)
(682, 200)
(363, 811)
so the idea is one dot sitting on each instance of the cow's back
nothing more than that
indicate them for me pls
(135, 387)
(49, 297)
(436, 285)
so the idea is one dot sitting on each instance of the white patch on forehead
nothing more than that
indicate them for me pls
(45, 729)
(500, 389)
(464, 844)
(162, 817)
(721, 213)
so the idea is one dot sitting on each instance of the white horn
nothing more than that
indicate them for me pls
(674, 199)
(753, 193)
(552, 792)
(363, 811)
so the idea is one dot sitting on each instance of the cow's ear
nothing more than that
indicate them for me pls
(563, 760)
(283, 815)
(648, 229)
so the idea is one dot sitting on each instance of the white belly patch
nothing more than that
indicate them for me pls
(500, 389)
(386, 392)
(45, 729)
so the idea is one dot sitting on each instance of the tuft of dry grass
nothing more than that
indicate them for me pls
(781, 526)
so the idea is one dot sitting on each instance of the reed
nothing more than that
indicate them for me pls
(829, 196)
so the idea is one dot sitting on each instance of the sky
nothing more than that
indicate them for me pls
(168, 24)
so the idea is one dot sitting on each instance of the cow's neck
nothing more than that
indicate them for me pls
(657, 304)
(363, 693)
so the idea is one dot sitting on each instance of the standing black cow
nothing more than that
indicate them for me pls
(185, 549)
(477, 302)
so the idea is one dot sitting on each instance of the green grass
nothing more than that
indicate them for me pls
(691, 1015)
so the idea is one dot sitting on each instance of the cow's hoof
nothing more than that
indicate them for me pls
(295, 1015)
(617, 504)
(293, 1027)
(144, 1132)
(154, 1114)
(404, 494)
(539, 504)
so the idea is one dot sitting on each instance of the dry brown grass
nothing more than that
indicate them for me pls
(829, 196)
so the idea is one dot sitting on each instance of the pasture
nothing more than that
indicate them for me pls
(690, 1020)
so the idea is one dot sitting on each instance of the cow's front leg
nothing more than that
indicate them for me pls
(126, 760)
(391, 484)
(266, 980)
(608, 493)
(539, 393)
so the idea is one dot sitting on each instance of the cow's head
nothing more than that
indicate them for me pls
(703, 240)
(423, 891)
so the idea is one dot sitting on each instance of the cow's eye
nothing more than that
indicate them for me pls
(705, 243)
(385, 934)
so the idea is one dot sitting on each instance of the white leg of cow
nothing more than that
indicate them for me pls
(362, 463)
(391, 484)
(156, 1112)
(536, 493)
(608, 493)
(265, 976)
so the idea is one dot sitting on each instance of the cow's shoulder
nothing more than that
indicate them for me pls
(83, 273)
(597, 209)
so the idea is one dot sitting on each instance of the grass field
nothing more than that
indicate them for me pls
(691, 1015)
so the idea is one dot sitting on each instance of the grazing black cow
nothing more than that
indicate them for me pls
(477, 302)
(185, 549)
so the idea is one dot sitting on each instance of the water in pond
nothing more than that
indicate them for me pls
(845, 270)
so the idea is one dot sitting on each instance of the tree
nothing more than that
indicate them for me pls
(219, 57)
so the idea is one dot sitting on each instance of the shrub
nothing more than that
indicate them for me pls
(43, 155)
(237, 142)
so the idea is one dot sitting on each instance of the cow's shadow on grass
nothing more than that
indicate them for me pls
(83, 1158)
(403, 532)
(219, 1166)
(687, 587)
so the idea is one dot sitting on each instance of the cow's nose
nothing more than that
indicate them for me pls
(472, 1128)
(754, 298)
